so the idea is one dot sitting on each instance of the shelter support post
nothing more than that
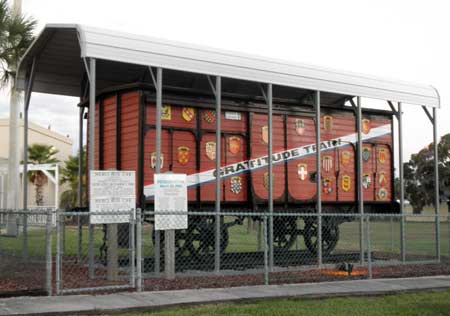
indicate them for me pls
(318, 181)
(436, 185)
(360, 174)
(28, 90)
(402, 182)
(80, 184)
(92, 90)
(269, 96)
(218, 95)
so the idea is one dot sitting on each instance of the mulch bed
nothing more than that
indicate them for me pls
(27, 277)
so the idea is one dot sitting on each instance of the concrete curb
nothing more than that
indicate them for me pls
(89, 304)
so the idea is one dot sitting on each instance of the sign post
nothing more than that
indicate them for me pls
(170, 212)
(112, 193)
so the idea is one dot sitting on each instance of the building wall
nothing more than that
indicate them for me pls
(36, 135)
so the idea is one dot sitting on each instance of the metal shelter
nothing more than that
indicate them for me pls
(71, 59)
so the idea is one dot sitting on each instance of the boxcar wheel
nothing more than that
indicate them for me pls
(284, 232)
(330, 235)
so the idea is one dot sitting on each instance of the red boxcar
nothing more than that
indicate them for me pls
(125, 140)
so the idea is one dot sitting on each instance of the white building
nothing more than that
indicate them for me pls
(36, 135)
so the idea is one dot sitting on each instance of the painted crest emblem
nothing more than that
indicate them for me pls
(183, 155)
(265, 134)
(234, 144)
(366, 154)
(299, 126)
(210, 148)
(366, 181)
(365, 126)
(382, 155)
(327, 163)
(345, 158)
(209, 116)
(266, 180)
(382, 180)
(166, 113)
(382, 194)
(302, 171)
(188, 114)
(328, 122)
(327, 186)
(236, 185)
(153, 160)
(346, 183)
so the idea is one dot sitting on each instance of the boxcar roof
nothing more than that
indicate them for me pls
(123, 58)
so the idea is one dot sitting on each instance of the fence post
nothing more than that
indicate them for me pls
(132, 250)
(369, 247)
(48, 253)
(91, 267)
(139, 250)
(25, 233)
(58, 252)
(266, 259)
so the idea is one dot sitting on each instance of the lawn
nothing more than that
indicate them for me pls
(420, 304)
(385, 237)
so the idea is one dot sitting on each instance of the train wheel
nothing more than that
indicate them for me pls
(285, 232)
(330, 235)
(201, 238)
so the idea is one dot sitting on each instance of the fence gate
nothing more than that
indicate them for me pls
(94, 257)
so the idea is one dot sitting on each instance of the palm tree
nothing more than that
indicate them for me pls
(40, 154)
(69, 175)
(16, 35)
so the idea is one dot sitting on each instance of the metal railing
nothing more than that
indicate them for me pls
(117, 256)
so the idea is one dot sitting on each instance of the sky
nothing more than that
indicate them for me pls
(405, 40)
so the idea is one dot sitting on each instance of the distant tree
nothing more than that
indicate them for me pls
(419, 175)
(69, 175)
(16, 35)
(40, 154)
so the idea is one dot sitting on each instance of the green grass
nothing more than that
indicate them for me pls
(385, 236)
(420, 304)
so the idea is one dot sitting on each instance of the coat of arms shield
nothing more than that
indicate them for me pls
(346, 183)
(183, 155)
(345, 158)
(365, 126)
(265, 134)
(327, 163)
(234, 144)
(210, 148)
(235, 185)
(153, 160)
(382, 155)
(188, 114)
(302, 171)
(328, 122)
(209, 116)
(299, 126)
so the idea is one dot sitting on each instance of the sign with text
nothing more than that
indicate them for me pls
(112, 192)
(170, 197)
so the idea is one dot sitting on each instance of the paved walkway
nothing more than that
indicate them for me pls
(147, 300)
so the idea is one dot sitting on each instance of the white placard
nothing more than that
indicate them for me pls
(235, 116)
(170, 197)
(112, 191)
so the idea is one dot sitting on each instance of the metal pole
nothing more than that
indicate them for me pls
(58, 252)
(270, 197)
(92, 91)
(402, 182)
(138, 250)
(369, 247)
(158, 157)
(318, 182)
(80, 185)
(360, 172)
(48, 253)
(218, 91)
(266, 266)
(132, 246)
(436, 185)
(29, 89)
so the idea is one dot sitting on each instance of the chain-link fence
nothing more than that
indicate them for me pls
(62, 252)
(25, 252)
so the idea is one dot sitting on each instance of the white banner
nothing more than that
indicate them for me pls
(277, 157)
